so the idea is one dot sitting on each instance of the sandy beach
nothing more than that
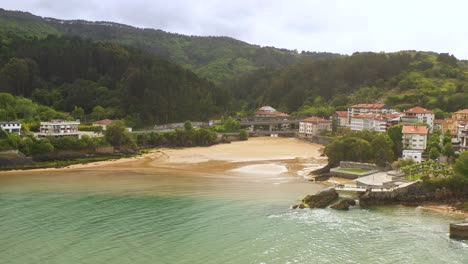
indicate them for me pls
(257, 155)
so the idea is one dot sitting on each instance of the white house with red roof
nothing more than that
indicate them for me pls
(341, 118)
(103, 123)
(314, 125)
(368, 108)
(422, 115)
(414, 141)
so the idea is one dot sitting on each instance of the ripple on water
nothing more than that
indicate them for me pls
(197, 225)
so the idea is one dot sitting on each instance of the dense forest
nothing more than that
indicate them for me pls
(72, 74)
(402, 79)
(215, 58)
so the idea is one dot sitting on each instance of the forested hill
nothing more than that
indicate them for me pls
(402, 79)
(106, 80)
(216, 58)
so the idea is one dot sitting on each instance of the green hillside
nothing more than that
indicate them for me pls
(403, 79)
(215, 58)
(105, 80)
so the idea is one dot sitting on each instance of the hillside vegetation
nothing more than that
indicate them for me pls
(105, 79)
(402, 79)
(215, 58)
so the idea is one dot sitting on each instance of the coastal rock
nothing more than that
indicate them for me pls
(320, 200)
(344, 204)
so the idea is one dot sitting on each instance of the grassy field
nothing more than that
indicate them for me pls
(352, 170)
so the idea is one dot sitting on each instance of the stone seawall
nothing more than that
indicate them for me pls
(409, 195)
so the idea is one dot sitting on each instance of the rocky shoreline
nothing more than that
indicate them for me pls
(439, 201)
(324, 199)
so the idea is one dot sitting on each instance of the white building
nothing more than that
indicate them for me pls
(415, 137)
(368, 108)
(421, 115)
(416, 155)
(314, 125)
(369, 121)
(57, 128)
(11, 127)
(341, 118)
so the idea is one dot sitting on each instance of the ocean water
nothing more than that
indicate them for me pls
(110, 217)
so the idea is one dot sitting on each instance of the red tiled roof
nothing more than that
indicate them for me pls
(366, 116)
(373, 106)
(464, 111)
(315, 119)
(418, 110)
(415, 130)
(342, 113)
(438, 121)
(104, 122)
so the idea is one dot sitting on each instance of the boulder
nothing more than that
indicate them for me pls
(319, 200)
(344, 204)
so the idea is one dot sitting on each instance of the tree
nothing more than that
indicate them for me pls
(231, 125)
(98, 113)
(42, 147)
(434, 153)
(188, 125)
(117, 134)
(461, 165)
(243, 135)
(396, 135)
(448, 150)
(78, 112)
(382, 148)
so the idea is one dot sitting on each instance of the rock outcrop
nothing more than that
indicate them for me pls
(319, 200)
(344, 204)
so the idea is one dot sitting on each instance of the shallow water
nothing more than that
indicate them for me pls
(113, 217)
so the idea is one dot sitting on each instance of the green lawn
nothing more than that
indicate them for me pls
(352, 170)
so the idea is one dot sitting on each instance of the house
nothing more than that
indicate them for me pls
(11, 127)
(58, 128)
(374, 122)
(438, 124)
(367, 108)
(414, 141)
(419, 115)
(103, 123)
(460, 115)
(341, 118)
(312, 126)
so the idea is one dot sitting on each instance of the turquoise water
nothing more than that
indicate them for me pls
(171, 219)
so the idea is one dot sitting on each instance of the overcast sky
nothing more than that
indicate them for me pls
(313, 25)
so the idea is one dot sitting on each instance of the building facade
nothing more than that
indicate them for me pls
(415, 137)
(312, 126)
(11, 127)
(368, 108)
(421, 115)
(57, 128)
(341, 118)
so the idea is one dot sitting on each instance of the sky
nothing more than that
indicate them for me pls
(338, 26)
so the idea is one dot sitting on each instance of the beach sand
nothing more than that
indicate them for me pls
(257, 155)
